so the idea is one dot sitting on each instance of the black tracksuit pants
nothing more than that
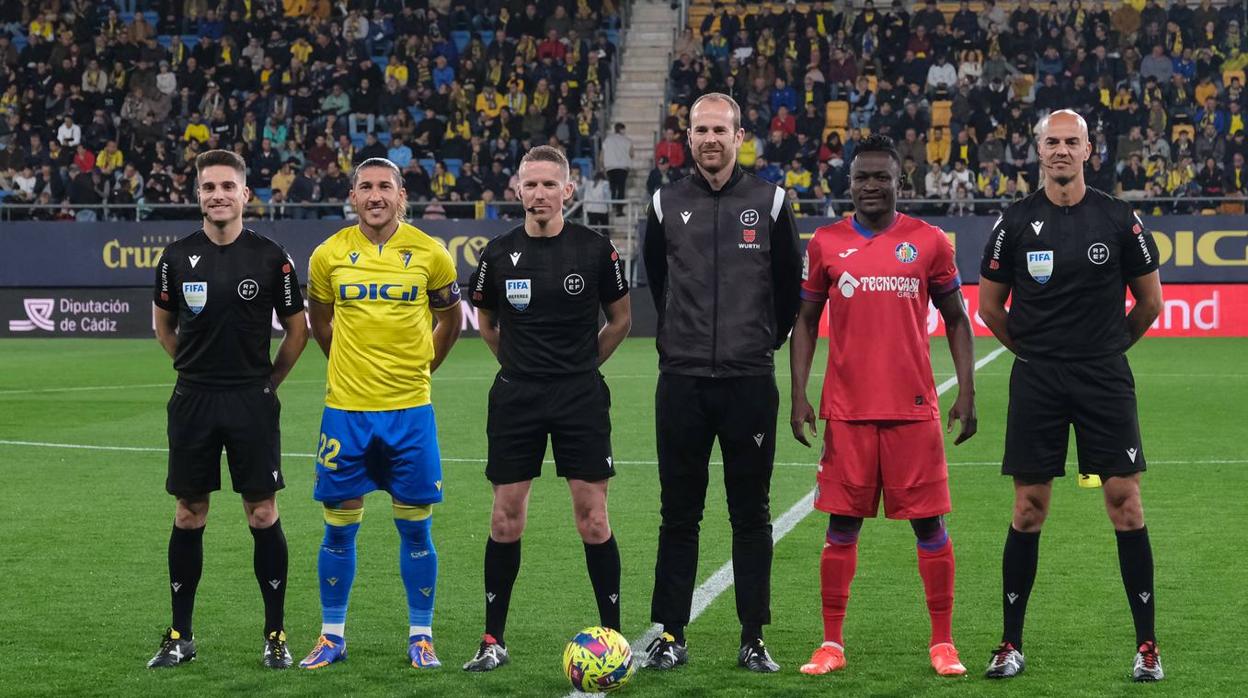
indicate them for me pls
(691, 412)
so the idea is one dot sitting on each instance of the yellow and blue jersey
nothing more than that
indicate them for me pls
(383, 327)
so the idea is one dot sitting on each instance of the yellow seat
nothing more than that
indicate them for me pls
(1231, 208)
(833, 129)
(872, 82)
(836, 114)
(1228, 74)
(1182, 128)
(942, 112)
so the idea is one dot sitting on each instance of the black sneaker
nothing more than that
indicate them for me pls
(1006, 662)
(1147, 664)
(276, 653)
(174, 651)
(490, 656)
(665, 653)
(753, 656)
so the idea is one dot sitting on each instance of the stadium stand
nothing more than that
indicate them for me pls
(971, 79)
(109, 101)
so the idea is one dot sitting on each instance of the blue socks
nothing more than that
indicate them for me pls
(336, 567)
(418, 565)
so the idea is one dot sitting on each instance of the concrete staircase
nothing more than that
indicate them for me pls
(645, 61)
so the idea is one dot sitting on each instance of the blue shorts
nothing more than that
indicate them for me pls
(392, 450)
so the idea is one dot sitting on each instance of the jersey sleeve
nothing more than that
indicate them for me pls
(1139, 249)
(443, 283)
(482, 283)
(319, 287)
(612, 285)
(942, 272)
(814, 277)
(288, 299)
(997, 264)
(164, 295)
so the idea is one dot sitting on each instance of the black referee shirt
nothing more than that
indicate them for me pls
(546, 293)
(225, 296)
(1067, 268)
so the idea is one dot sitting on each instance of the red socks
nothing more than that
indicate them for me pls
(836, 571)
(936, 567)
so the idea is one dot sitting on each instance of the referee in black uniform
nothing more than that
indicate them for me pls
(216, 293)
(539, 290)
(722, 258)
(1066, 254)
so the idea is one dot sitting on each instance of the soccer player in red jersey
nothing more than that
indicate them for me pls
(875, 272)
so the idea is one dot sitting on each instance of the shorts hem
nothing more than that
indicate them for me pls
(841, 512)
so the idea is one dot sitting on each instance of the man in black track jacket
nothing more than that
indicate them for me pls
(721, 255)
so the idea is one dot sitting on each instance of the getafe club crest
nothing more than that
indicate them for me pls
(519, 293)
(196, 295)
(1040, 265)
(906, 253)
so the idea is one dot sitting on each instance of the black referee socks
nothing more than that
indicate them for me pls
(186, 564)
(502, 565)
(270, 561)
(1018, 574)
(603, 562)
(1135, 560)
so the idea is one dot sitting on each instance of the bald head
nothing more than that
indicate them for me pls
(1064, 119)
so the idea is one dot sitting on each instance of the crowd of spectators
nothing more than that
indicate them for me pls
(109, 101)
(1161, 87)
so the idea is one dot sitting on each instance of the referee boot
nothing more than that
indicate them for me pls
(753, 656)
(175, 650)
(1006, 662)
(490, 655)
(276, 652)
(1147, 664)
(666, 653)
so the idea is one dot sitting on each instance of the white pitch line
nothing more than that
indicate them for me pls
(169, 384)
(718, 583)
(794, 464)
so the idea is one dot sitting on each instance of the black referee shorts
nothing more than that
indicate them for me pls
(575, 411)
(1046, 397)
(244, 421)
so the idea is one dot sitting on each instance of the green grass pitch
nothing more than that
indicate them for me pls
(84, 598)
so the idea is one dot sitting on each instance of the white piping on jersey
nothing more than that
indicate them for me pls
(658, 207)
(777, 202)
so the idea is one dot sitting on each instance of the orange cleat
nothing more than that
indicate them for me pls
(945, 660)
(827, 658)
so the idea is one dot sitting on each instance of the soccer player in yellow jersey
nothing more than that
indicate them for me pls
(384, 306)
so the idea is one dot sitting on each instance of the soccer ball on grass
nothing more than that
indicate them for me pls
(598, 659)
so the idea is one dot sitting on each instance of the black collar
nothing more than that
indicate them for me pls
(700, 180)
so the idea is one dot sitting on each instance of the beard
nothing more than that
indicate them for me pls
(1063, 180)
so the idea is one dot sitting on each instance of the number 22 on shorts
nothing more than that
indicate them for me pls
(327, 451)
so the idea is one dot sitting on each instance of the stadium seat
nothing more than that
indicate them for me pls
(1228, 74)
(453, 165)
(381, 62)
(357, 141)
(417, 114)
(613, 35)
(942, 111)
(126, 17)
(487, 36)
(427, 164)
(830, 129)
(189, 40)
(837, 114)
(165, 40)
(264, 195)
(1180, 128)
(586, 165)
(1235, 208)
(461, 39)
(19, 42)
(383, 137)
(151, 16)
(872, 82)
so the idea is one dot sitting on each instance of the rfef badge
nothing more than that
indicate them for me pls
(519, 293)
(1040, 265)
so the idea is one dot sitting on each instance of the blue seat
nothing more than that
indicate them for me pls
(20, 41)
(126, 17)
(151, 16)
(613, 35)
(264, 195)
(189, 40)
(381, 62)
(453, 165)
(461, 39)
(586, 165)
(358, 142)
(427, 164)
(417, 114)
(165, 40)
(383, 137)
(487, 36)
